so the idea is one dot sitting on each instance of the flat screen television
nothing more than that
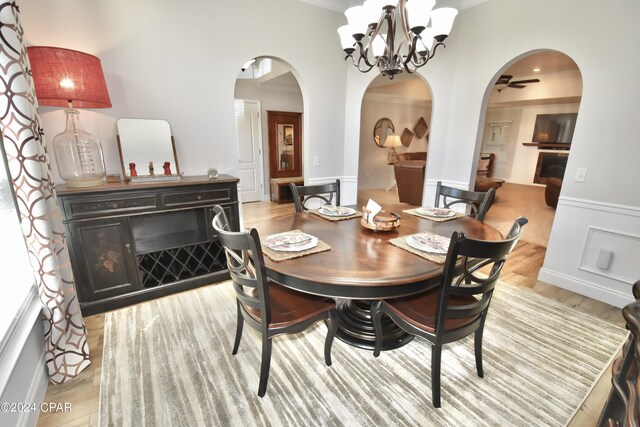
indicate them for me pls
(554, 129)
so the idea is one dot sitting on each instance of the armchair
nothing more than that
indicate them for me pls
(409, 171)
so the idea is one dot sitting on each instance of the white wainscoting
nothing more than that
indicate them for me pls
(583, 228)
(23, 376)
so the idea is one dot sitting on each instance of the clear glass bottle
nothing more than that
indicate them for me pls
(79, 154)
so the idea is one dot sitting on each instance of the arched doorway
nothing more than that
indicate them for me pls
(264, 84)
(402, 107)
(530, 114)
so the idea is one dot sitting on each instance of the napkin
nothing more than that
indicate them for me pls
(373, 209)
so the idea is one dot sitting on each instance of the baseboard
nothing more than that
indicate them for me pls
(37, 391)
(23, 376)
(585, 288)
(17, 335)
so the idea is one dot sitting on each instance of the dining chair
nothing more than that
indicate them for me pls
(456, 308)
(323, 192)
(264, 305)
(480, 202)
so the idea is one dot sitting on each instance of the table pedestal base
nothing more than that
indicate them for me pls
(356, 327)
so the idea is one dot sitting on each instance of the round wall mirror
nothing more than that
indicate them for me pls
(382, 129)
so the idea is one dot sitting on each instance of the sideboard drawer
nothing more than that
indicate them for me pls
(89, 206)
(196, 197)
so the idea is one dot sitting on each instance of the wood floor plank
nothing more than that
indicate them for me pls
(521, 270)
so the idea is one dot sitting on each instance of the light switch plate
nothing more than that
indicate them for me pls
(316, 161)
(581, 175)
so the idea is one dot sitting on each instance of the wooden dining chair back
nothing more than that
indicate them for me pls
(478, 201)
(264, 305)
(323, 193)
(459, 306)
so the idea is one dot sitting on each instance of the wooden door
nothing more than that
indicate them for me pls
(285, 144)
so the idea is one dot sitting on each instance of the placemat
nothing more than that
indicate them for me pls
(335, 218)
(402, 244)
(414, 212)
(282, 255)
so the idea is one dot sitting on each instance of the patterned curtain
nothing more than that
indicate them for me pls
(67, 351)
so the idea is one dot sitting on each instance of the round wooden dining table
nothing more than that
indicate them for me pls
(362, 266)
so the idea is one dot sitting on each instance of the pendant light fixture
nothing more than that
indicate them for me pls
(394, 36)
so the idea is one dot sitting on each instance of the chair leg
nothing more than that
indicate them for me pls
(436, 356)
(239, 325)
(478, 347)
(332, 323)
(376, 318)
(264, 368)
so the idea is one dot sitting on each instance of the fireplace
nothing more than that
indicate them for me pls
(550, 165)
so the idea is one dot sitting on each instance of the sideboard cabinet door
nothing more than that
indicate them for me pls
(104, 263)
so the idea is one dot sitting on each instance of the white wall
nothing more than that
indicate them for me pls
(179, 61)
(485, 40)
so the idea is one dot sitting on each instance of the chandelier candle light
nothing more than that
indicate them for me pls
(394, 36)
(68, 78)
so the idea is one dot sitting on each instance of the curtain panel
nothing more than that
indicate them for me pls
(67, 350)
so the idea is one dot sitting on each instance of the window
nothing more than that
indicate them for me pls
(17, 275)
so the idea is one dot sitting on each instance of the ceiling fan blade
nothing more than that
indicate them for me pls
(526, 81)
(504, 79)
(517, 86)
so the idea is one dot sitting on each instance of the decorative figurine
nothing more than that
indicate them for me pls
(132, 169)
(167, 168)
(151, 168)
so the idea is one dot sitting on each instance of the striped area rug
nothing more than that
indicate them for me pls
(168, 362)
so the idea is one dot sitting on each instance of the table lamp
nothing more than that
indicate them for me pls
(392, 142)
(68, 78)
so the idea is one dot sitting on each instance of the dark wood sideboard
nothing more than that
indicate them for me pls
(134, 242)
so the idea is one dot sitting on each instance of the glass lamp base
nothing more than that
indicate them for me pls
(84, 182)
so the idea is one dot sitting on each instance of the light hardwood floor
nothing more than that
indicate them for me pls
(521, 270)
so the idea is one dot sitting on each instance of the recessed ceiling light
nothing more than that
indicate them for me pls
(536, 70)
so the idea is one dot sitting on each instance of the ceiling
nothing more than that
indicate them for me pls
(547, 62)
(342, 5)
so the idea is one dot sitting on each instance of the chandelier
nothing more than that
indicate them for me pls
(394, 37)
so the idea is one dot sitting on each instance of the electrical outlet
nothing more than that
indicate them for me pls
(316, 161)
(581, 175)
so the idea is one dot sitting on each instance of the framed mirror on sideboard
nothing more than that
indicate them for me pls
(147, 150)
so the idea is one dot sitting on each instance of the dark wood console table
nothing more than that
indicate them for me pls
(134, 242)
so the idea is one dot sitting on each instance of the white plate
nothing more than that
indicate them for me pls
(436, 212)
(336, 211)
(290, 241)
(429, 242)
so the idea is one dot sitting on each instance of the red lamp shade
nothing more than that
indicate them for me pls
(64, 75)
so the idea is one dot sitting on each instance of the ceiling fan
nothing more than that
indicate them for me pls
(504, 81)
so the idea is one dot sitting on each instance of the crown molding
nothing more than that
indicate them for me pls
(342, 5)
